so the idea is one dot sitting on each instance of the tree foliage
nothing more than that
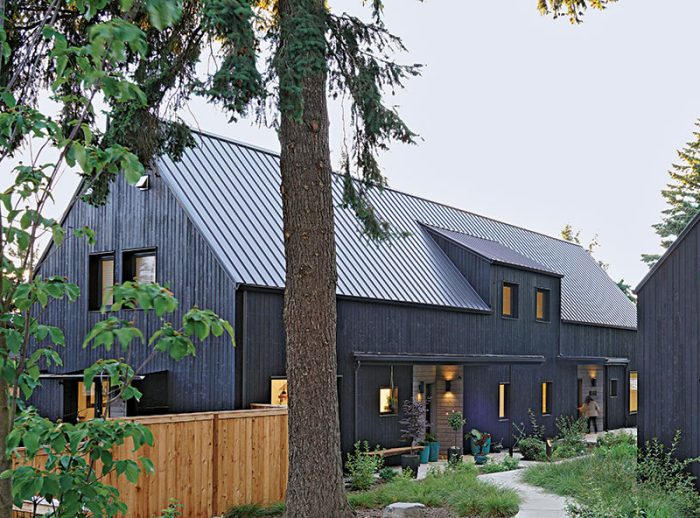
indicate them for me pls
(572, 9)
(89, 49)
(682, 196)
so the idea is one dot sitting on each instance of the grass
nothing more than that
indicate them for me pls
(605, 486)
(457, 489)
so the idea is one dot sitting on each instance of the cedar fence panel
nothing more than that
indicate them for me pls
(208, 461)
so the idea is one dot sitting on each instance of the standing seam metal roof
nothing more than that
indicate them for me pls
(231, 193)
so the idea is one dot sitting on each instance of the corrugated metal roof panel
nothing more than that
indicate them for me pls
(231, 192)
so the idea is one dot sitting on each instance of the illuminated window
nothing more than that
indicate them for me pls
(542, 305)
(546, 397)
(88, 405)
(101, 280)
(139, 265)
(388, 401)
(633, 392)
(504, 400)
(278, 392)
(510, 300)
(613, 388)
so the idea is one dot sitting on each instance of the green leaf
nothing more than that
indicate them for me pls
(163, 13)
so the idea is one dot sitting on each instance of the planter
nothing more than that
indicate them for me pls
(411, 462)
(424, 454)
(434, 451)
(454, 455)
(484, 450)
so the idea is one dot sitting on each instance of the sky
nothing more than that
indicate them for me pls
(531, 120)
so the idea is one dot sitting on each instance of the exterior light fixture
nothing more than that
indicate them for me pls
(593, 381)
(421, 387)
(448, 385)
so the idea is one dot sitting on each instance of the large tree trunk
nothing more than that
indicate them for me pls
(315, 487)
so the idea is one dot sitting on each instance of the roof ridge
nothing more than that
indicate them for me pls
(386, 188)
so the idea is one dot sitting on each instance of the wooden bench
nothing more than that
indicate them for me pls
(390, 452)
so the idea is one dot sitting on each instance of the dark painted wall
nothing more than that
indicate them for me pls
(669, 340)
(136, 219)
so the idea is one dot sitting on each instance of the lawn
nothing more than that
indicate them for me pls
(456, 489)
(605, 485)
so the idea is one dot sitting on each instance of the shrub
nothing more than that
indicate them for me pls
(659, 466)
(361, 467)
(532, 448)
(570, 440)
(610, 440)
(387, 474)
(506, 464)
(413, 423)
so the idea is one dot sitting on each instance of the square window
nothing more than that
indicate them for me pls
(279, 395)
(388, 401)
(542, 305)
(101, 281)
(546, 398)
(504, 400)
(140, 266)
(510, 300)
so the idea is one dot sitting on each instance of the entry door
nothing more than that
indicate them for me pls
(615, 396)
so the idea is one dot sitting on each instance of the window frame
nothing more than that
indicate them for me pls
(614, 382)
(546, 397)
(514, 299)
(505, 416)
(547, 305)
(636, 391)
(95, 277)
(129, 256)
(395, 413)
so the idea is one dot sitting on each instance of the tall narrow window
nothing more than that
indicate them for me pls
(542, 305)
(92, 403)
(633, 391)
(101, 280)
(546, 397)
(140, 265)
(579, 393)
(504, 400)
(388, 400)
(613, 388)
(510, 300)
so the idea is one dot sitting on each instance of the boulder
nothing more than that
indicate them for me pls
(404, 510)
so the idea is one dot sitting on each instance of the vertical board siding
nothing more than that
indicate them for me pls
(208, 462)
(145, 219)
(669, 341)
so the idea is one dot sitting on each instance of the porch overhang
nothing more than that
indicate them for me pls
(446, 359)
(594, 360)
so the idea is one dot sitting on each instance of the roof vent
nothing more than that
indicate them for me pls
(143, 183)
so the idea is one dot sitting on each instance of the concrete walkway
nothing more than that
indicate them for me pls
(536, 503)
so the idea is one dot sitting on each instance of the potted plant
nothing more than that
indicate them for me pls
(456, 421)
(424, 454)
(481, 445)
(413, 430)
(433, 445)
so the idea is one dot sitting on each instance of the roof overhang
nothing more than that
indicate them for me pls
(446, 359)
(594, 360)
(75, 377)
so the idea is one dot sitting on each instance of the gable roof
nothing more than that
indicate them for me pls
(231, 191)
(688, 228)
(493, 251)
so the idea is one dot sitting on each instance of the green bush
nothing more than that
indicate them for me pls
(609, 440)
(361, 467)
(532, 448)
(387, 474)
(506, 464)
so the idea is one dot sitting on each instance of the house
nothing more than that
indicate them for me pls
(465, 312)
(669, 344)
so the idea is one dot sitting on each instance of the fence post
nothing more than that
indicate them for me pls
(215, 464)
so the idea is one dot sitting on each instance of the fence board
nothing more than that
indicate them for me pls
(208, 461)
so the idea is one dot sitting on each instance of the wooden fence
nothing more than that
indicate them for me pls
(209, 462)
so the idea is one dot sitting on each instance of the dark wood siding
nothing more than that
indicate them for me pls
(146, 219)
(669, 341)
